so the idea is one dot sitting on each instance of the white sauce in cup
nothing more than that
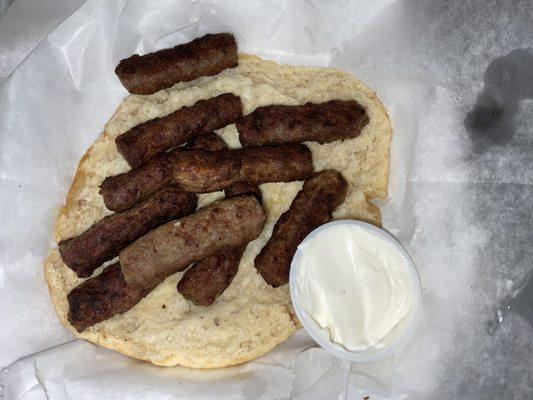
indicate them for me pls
(355, 284)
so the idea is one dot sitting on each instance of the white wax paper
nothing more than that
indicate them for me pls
(455, 78)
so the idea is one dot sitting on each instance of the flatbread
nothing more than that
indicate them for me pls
(250, 318)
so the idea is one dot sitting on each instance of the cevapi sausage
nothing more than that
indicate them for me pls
(145, 140)
(122, 191)
(312, 207)
(211, 229)
(103, 240)
(172, 247)
(207, 55)
(212, 142)
(99, 298)
(209, 142)
(207, 279)
(322, 123)
(243, 187)
(203, 171)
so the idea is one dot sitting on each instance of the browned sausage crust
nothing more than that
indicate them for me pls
(312, 207)
(207, 279)
(172, 247)
(145, 140)
(202, 171)
(241, 187)
(122, 191)
(204, 56)
(212, 142)
(101, 297)
(323, 123)
(103, 240)
(209, 142)
(205, 171)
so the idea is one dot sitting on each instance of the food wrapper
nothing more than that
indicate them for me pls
(457, 80)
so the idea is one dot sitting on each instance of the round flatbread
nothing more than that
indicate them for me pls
(250, 318)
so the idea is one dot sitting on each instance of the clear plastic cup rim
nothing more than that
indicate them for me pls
(403, 332)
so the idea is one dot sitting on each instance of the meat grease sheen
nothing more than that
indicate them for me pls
(354, 284)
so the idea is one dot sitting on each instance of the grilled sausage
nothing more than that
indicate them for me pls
(201, 171)
(209, 142)
(173, 246)
(122, 191)
(323, 123)
(151, 72)
(145, 140)
(207, 279)
(212, 142)
(103, 240)
(241, 187)
(101, 297)
(207, 232)
(312, 207)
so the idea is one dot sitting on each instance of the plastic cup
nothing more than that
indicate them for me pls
(395, 340)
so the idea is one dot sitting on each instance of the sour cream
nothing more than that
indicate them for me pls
(355, 284)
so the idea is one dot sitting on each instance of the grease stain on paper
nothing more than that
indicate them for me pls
(507, 81)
